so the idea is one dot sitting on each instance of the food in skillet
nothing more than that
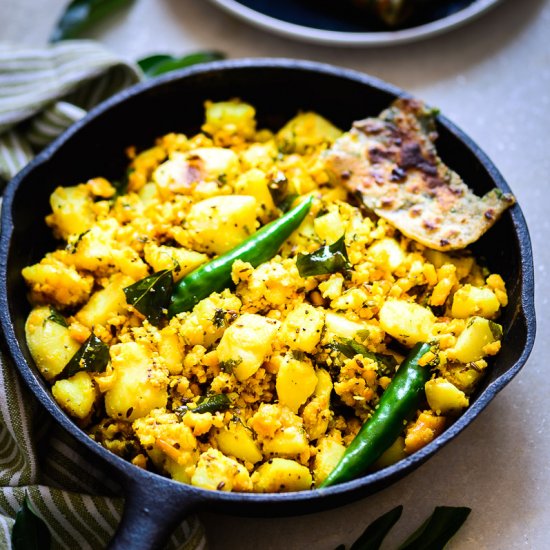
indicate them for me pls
(231, 319)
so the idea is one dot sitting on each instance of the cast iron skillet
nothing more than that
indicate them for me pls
(278, 88)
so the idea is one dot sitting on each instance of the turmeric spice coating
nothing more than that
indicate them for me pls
(263, 385)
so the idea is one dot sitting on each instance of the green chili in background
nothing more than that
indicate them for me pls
(397, 404)
(215, 275)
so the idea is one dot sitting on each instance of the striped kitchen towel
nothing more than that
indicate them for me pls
(42, 92)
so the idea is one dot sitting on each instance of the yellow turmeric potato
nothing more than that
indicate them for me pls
(317, 413)
(424, 430)
(386, 253)
(181, 260)
(296, 381)
(216, 471)
(471, 343)
(76, 394)
(229, 118)
(302, 328)
(338, 325)
(218, 163)
(255, 184)
(105, 303)
(394, 453)
(72, 212)
(407, 322)
(237, 440)
(469, 301)
(52, 281)
(305, 131)
(219, 224)
(50, 343)
(329, 227)
(444, 397)
(139, 386)
(246, 344)
(329, 452)
(171, 350)
(280, 475)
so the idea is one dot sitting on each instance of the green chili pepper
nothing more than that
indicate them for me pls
(215, 275)
(397, 404)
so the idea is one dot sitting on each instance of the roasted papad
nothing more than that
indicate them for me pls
(391, 162)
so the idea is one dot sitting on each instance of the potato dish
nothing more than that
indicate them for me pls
(262, 385)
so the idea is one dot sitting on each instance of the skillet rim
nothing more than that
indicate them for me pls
(358, 487)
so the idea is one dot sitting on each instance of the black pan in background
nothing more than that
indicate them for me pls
(278, 88)
(339, 23)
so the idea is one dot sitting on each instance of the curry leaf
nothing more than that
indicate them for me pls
(155, 65)
(327, 259)
(81, 14)
(376, 532)
(29, 531)
(56, 317)
(212, 403)
(438, 529)
(151, 295)
(93, 356)
(350, 348)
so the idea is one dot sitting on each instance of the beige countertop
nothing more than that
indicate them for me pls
(492, 78)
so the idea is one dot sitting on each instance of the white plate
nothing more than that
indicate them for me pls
(301, 21)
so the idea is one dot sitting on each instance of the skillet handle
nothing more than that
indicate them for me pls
(150, 516)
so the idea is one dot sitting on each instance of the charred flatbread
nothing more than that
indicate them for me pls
(391, 162)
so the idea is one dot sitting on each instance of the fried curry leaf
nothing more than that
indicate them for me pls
(151, 295)
(376, 532)
(327, 259)
(29, 532)
(56, 317)
(438, 529)
(155, 65)
(350, 348)
(81, 14)
(93, 356)
(211, 404)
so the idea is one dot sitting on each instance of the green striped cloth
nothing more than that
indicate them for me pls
(42, 92)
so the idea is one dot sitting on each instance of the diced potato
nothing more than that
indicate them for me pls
(424, 430)
(471, 300)
(215, 471)
(177, 175)
(50, 343)
(302, 328)
(296, 381)
(329, 227)
(247, 343)
(463, 264)
(171, 350)
(260, 155)
(72, 212)
(472, 342)
(281, 475)
(182, 260)
(76, 394)
(444, 397)
(53, 281)
(237, 440)
(328, 455)
(218, 224)
(338, 325)
(305, 131)
(255, 184)
(218, 163)
(387, 254)
(139, 386)
(407, 322)
(392, 454)
(207, 322)
(230, 117)
(316, 413)
(465, 377)
(279, 430)
(105, 303)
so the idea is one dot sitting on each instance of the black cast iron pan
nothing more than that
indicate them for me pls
(278, 88)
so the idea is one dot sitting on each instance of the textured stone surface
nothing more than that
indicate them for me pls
(492, 78)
